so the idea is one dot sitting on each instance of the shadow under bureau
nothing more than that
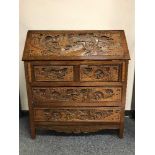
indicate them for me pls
(76, 80)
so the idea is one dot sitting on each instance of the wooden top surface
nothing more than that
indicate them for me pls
(75, 45)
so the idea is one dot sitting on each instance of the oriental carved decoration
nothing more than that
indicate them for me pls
(75, 94)
(99, 73)
(74, 44)
(76, 80)
(107, 114)
(53, 73)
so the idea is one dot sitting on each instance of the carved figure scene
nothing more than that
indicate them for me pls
(99, 73)
(53, 73)
(78, 114)
(77, 94)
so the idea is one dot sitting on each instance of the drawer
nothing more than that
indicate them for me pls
(77, 94)
(104, 72)
(52, 73)
(76, 71)
(104, 114)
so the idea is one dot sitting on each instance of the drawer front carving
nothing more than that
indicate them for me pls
(100, 73)
(81, 114)
(53, 73)
(76, 94)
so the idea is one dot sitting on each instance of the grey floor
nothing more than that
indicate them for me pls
(101, 143)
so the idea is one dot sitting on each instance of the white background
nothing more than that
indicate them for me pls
(145, 77)
(77, 14)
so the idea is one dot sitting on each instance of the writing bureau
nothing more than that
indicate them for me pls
(76, 80)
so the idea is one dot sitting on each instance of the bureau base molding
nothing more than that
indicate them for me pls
(77, 129)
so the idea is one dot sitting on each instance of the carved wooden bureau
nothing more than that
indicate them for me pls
(76, 80)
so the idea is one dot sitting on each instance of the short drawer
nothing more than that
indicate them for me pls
(76, 71)
(102, 73)
(52, 73)
(77, 94)
(104, 114)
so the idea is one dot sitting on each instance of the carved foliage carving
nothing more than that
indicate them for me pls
(74, 44)
(87, 94)
(106, 114)
(99, 73)
(53, 73)
(75, 129)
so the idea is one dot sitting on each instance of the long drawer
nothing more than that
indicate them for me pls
(104, 114)
(75, 95)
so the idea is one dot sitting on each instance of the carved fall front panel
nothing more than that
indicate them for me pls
(48, 43)
(98, 114)
(53, 73)
(77, 94)
(99, 73)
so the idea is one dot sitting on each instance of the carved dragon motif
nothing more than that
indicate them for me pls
(74, 44)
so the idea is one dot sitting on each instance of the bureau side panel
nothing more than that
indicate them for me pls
(124, 77)
(28, 72)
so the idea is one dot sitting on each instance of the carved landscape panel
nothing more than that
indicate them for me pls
(53, 73)
(99, 73)
(98, 114)
(76, 94)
